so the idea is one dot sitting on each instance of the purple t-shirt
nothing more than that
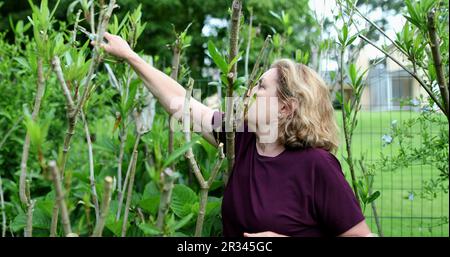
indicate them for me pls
(297, 193)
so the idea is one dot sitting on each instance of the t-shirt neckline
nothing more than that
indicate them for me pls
(267, 158)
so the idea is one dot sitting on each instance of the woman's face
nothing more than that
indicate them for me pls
(264, 106)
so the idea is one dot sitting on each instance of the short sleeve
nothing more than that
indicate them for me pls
(336, 206)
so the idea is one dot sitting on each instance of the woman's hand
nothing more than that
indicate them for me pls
(263, 234)
(116, 46)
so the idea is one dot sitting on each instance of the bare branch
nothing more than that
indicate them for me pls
(59, 197)
(56, 63)
(28, 232)
(229, 120)
(187, 133)
(166, 194)
(242, 111)
(128, 175)
(379, 29)
(91, 167)
(436, 52)
(249, 42)
(54, 222)
(74, 32)
(216, 166)
(105, 207)
(26, 145)
(204, 185)
(130, 191)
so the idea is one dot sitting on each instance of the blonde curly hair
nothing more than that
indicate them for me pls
(311, 121)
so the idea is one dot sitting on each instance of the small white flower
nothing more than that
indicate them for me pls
(415, 102)
(394, 123)
(387, 139)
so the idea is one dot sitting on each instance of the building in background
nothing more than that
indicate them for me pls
(388, 85)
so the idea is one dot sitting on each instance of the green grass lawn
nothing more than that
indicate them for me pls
(402, 211)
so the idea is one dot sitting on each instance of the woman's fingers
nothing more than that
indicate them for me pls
(114, 45)
(107, 36)
(102, 45)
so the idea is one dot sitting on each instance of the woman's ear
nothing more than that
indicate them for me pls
(294, 104)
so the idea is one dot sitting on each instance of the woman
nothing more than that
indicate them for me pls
(287, 185)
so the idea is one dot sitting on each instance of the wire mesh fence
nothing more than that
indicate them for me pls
(403, 208)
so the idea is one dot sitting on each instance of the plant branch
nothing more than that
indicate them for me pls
(176, 51)
(251, 80)
(123, 138)
(233, 51)
(105, 207)
(96, 56)
(169, 178)
(436, 52)
(204, 185)
(217, 166)
(28, 232)
(249, 42)
(127, 176)
(379, 29)
(26, 146)
(187, 132)
(347, 135)
(130, 190)
(59, 197)
(374, 208)
(56, 64)
(91, 167)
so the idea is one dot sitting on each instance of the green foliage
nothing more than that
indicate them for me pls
(432, 151)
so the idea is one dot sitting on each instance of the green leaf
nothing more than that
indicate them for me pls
(344, 34)
(373, 196)
(149, 229)
(347, 107)
(183, 198)
(34, 130)
(131, 101)
(352, 73)
(151, 189)
(218, 59)
(40, 220)
(114, 226)
(235, 59)
(180, 151)
(339, 97)
(276, 15)
(181, 223)
(150, 204)
(350, 41)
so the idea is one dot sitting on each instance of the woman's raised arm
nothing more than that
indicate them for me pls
(168, 91)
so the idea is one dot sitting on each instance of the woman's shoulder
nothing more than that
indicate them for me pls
(315, 153)
(318, 157)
